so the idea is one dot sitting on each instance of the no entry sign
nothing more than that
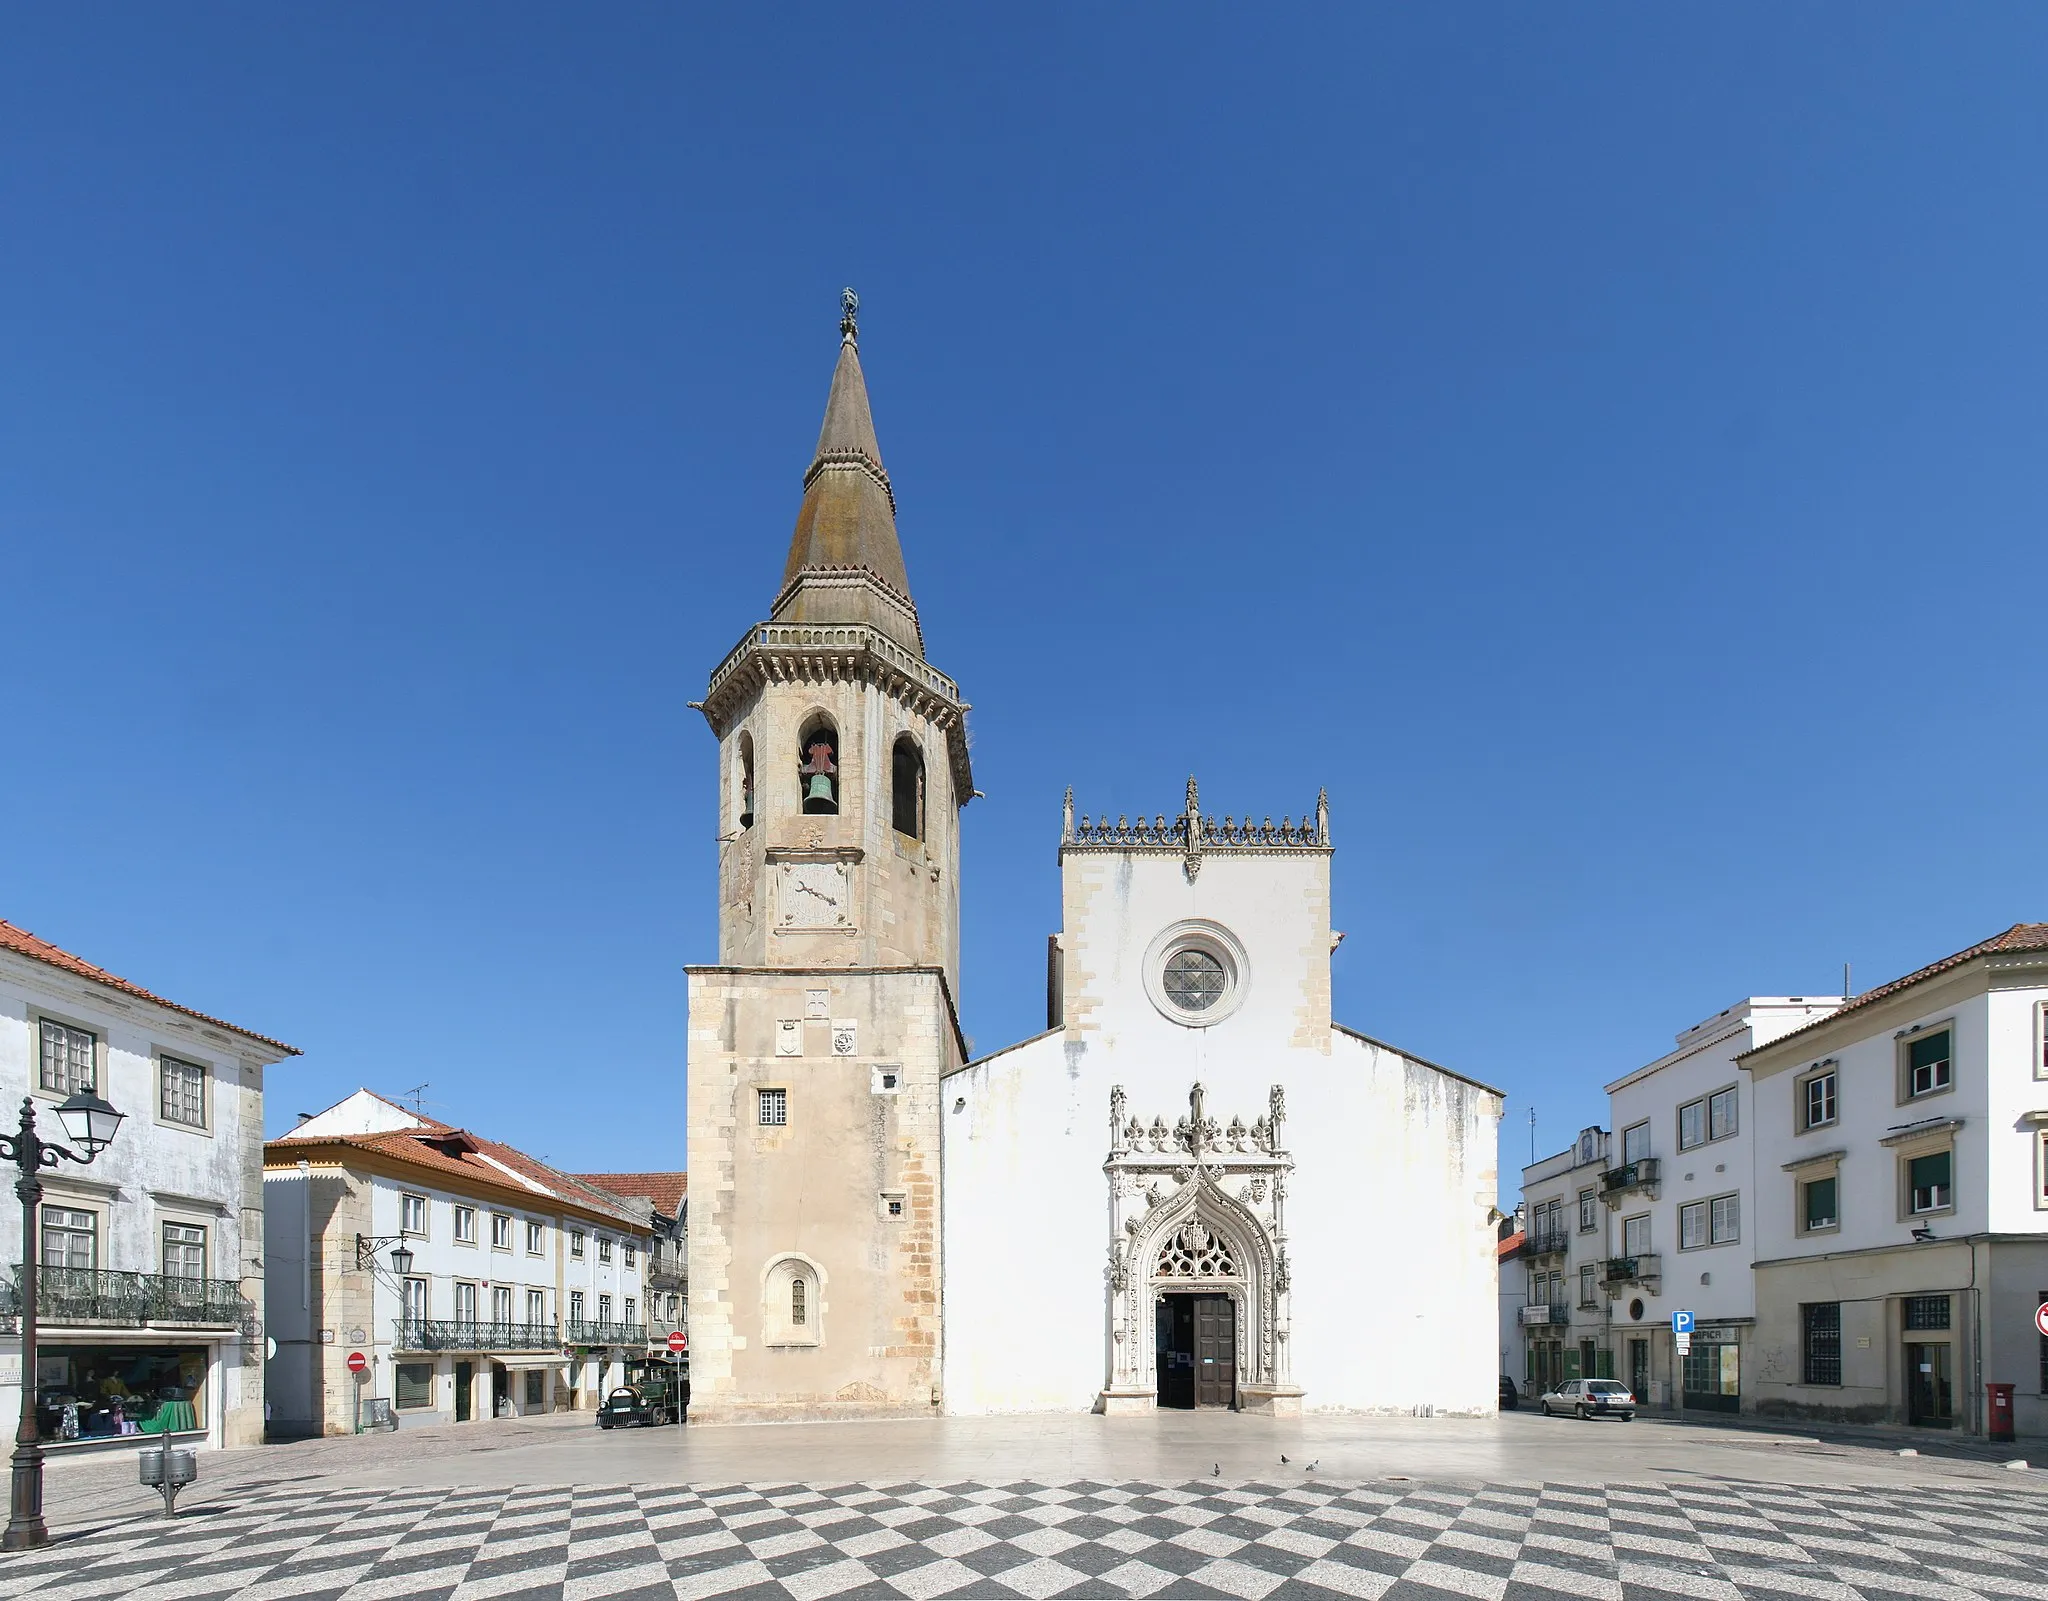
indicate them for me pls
(357, 1362)
(2041, 1319)
(680, 1342)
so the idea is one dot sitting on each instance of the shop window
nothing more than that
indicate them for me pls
(1821, 1355)
(906, 787)
(184, 1251)
(1817, 1204)
(817, 770)
(1928, 1069)
(1930, 1181)
(70, 1238)
(536, 1389)
(69, 1059)
(413, 1386)
(181, 1092)
(86, 1392)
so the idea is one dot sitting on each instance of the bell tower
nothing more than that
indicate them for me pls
(818, 1039)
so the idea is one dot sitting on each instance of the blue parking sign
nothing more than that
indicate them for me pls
(1681, 1323)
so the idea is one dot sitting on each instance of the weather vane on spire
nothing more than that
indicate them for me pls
(849, 327)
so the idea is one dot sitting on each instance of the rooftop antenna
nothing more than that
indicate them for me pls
(1847, 993)
(415, 1095)
(1532, 1136)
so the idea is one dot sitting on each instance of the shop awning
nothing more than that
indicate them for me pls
(531, 1361)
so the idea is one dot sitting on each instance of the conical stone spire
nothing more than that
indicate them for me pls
(845, 564)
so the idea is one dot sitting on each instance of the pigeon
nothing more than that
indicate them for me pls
(1216, 1471)
(1283, 1456)
(1313, 1465)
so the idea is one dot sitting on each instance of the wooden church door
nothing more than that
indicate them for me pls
(1215, 1351)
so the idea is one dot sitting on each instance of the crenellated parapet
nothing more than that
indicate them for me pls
(1191, 834)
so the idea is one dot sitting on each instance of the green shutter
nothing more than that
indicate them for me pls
(1934, 1048)
(1928, 1171)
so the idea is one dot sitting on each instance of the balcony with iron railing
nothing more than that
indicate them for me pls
(1547, 1242)
(469, 1334)
(1642, 1268)
(581, 1333)
(1546, 1314)
(80, 1297)
(1641, 1174)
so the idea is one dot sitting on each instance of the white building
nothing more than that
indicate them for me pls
(1684, 1219)
(1901, 1250)
(1198, 1189)
(521, 1290)
(1559, 1270)
(151, 1294)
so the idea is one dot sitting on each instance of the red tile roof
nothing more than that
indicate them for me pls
(455, 1153)
(665, 1190)
(23, 943)
(2020, 937)
(1510, 1245)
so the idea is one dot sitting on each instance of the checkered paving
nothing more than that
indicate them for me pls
(1716, 1541)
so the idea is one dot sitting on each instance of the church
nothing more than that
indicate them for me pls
(1194, 1189)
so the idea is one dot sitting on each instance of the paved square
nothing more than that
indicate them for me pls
(1250, 1541)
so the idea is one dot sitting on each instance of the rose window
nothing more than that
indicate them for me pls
(1195, 980)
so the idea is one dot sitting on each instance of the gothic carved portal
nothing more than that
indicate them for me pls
(1199, 1208)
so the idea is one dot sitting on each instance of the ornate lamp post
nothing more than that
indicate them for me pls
(89, 1123)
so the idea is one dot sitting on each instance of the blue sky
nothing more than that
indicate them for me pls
(1603, 446)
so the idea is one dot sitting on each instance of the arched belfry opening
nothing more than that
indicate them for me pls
(818, 774)
(906, 787)
(743, 780)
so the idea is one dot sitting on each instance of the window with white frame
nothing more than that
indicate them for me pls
(1722, 1108)
(1724, 1219)
(1692, 1124)
(1926, 1065)
(632, 1310)
(604, 1248)
(534, 1239)
(71, 1237)
(1589, 1284)
(501, 1303)
(536, 1306)
(501, 1232)
(575, 1306)
(575, 1242)
(1711, 1117)
(1819, 1203)
(1635, 1235)
(181, 1092)
(1589, 1211)
(604, 1309)
(412, 1215)
(1635, 1143)
(415, 1301)
(184, 1251)
(69, 1059)
(1817, 1100)
(772, 1107)
(629, 1260)
(1692, 1225)
(1930, 1182)
(2041, 1048)
(465, 1224)
(465, 1303)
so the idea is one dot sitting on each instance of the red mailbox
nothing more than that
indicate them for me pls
(2000, 1413)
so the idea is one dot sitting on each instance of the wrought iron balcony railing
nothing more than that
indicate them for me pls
(1547, 1242)
(1546, 1314)
(1631, 1269)
(84, 1295)
(468, 1334)
(580, 1333)
(1637, 1175)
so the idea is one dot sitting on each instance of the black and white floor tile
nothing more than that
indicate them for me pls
(1407, 1542)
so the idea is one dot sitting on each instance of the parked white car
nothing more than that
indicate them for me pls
(1591, 1398)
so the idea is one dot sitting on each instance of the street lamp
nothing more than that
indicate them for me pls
(90, 1123)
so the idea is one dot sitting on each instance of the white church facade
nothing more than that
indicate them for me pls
(1195, 1189)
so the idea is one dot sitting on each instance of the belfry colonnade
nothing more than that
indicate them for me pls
(1198, 1209)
